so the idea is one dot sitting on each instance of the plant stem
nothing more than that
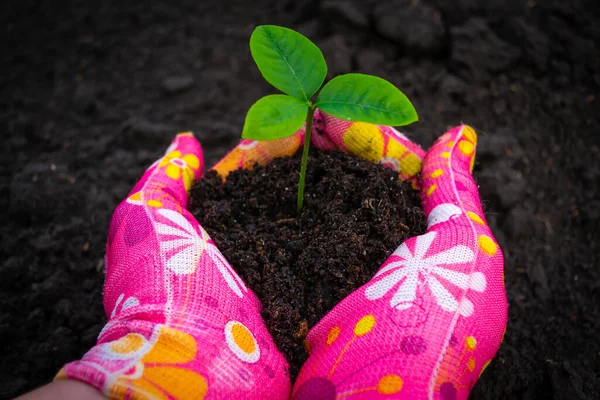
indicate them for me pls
(309, 119)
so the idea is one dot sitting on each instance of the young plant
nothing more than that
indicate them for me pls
(293, 64)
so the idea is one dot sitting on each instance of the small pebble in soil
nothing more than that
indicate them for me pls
(300, 266)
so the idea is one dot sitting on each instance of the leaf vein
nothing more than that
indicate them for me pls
(385, 110)
(280, 52)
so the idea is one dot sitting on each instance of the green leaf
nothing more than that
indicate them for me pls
(366, 98)
(274, 117)
(288, 60)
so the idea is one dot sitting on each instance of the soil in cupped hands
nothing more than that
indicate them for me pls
(300, 266)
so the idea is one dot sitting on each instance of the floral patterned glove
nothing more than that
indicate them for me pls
(432, 318)
(187, 327)
(182, 324)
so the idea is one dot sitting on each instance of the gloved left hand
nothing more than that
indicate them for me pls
(182, 324)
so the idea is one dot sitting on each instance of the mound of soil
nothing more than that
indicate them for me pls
(300, 266)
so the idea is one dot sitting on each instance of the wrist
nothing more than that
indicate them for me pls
(64, 390)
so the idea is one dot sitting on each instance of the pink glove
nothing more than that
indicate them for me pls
(184, 292)
(182, 323)
(432, 318)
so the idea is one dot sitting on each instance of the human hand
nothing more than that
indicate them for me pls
(182, 324)
(433, 317)
(393, 150)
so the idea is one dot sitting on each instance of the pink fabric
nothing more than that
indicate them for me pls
(182, 324)
(175, 304)
(376, 143)
(433, 316)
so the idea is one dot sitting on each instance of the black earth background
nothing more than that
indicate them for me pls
(91, 93)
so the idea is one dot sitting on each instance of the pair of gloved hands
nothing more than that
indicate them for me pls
(183, 325)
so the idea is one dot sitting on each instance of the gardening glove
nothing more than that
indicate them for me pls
(374, 143)
(432, 318)
(182, 324)
(434, 315)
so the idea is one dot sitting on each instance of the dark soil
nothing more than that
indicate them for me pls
(301, 265)
(91, 93)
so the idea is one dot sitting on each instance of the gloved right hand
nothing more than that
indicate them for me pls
(434, 315)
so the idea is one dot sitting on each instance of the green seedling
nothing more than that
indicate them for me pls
(293, 64)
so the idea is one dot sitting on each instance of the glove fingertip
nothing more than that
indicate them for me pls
(249, 153)
(191, 149)
(172, 176)
(375, 143)
(446, 175)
